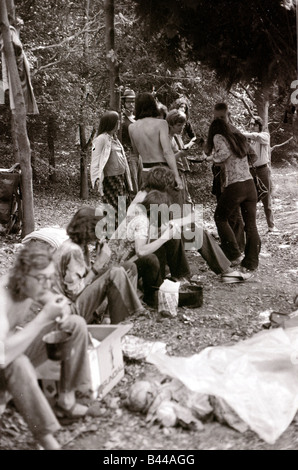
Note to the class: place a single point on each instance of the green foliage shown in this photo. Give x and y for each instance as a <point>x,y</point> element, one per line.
<point>241,40</point>
<point>172,52</point>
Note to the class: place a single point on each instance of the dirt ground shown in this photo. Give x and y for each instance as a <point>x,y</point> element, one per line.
<point>230,313</point>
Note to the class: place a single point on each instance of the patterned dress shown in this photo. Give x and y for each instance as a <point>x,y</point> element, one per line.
<point>114,183</point>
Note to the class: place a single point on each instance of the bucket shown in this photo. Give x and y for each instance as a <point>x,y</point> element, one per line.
<point>191,296</point>
<point>57,345</point>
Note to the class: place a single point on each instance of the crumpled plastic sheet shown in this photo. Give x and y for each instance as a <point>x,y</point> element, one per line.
<point>137,348</point>
<point>257,377</point>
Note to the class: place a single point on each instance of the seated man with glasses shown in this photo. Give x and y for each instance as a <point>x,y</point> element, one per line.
<point>28,310</point>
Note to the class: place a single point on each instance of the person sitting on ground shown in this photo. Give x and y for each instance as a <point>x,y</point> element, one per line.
<point>150,137</point>
<point>162,179</point>
<point>88,285</point>
<point>152,244</point>
<point>28,310</point>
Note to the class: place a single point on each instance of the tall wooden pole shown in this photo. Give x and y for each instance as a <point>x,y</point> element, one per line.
<point>112,63</point>
<point>20,121</point>
<point>11,12</point>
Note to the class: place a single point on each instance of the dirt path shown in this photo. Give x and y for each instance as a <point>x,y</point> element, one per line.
<point>229,314</point>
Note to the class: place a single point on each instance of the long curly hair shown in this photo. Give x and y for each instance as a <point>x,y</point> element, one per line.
<point>161,199</point>
<point>33,256</point>
<point>175,116</point>
<point>160,178</point>
<point>81,228</point>
<point>237,141</point>
<point>178,102</point>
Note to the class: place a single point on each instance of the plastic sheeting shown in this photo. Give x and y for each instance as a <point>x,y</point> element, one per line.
<point>257,377</point>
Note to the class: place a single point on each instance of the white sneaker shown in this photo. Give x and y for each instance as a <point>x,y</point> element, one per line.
<point>236,276</point>
<point>273,229</point>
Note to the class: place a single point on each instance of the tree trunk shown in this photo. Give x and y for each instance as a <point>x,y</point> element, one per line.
<point>262,103</point>
<point>11,11</point>
<point>15,145</point>
<point>84,192</point>
<point>51,137</point>
<point>20,121</point>
<point>112,64</point>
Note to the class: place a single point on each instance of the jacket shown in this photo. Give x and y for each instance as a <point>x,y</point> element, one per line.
<point>101,149</point>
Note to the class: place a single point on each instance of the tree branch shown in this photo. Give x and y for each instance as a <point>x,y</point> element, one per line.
<point>280,145</point>
<point>247,92</point>
<point>70,38</point>
<point>43,67</point>
<point>243,101</point>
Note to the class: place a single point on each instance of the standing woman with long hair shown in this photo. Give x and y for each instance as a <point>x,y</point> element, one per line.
<point>230,150</point>
<point>109,168</point>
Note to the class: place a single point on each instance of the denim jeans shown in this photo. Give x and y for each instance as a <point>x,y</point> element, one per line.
<point>19,377</point>
<point>114,285</point>
<point>265,176</point>
<point>241,194</point>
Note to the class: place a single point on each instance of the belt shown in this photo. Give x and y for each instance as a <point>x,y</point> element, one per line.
<point>261,166</point>
<point>151,165</point>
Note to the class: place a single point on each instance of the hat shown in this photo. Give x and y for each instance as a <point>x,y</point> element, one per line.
<point>128,93</point>
<point>51,235</point>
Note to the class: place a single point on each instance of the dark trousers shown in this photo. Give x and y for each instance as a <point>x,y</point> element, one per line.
<point>235,218</point>
<point>152,268</point>
<point>172,253</point>
<point>136,171</point>
<point>264,174</point>
<point>149,271</point>
<point>244,195</point>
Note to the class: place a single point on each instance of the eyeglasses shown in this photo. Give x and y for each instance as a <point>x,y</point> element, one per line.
<point>42,279</point>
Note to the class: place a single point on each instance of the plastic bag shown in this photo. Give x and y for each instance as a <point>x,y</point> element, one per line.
<point>168,296</point>
<point>258,378</point>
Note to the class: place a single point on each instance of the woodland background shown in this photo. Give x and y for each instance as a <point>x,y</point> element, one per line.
<point>82,56</point>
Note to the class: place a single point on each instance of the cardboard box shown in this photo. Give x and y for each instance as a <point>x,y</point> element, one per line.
<point>105,361</point>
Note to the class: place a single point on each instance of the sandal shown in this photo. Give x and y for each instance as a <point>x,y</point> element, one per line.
<point>77,411</point>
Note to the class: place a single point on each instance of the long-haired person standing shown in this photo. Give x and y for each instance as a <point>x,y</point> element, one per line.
<point>230,150</point>
<point>109,168</point>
